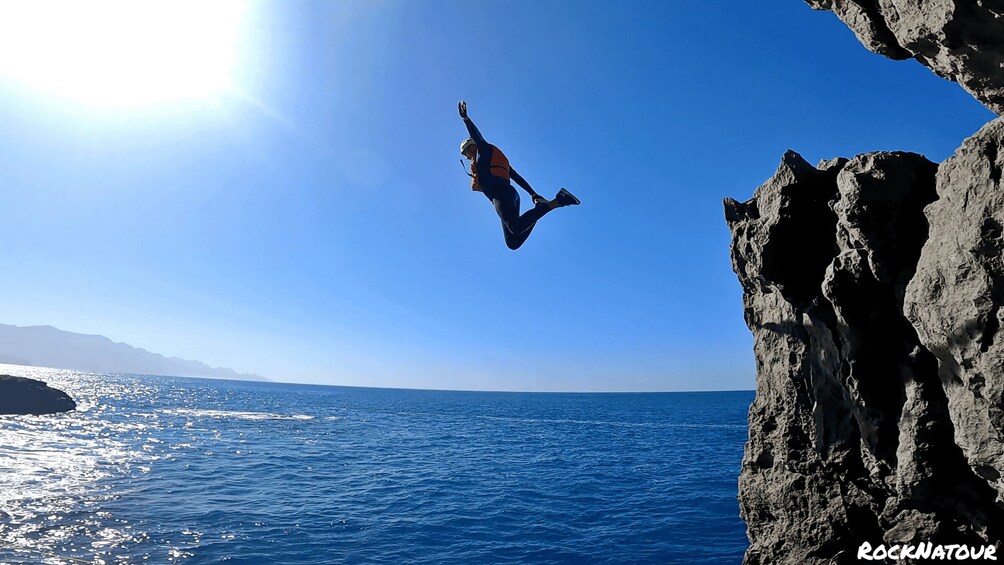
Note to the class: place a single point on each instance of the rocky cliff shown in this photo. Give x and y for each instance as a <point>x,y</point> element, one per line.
<point>874,288</point>
<point>957,39</point>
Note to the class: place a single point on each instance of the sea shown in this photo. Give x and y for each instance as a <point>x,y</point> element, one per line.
<point>182,470</point>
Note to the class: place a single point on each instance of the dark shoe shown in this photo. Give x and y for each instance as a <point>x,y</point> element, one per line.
<point>566,198</point>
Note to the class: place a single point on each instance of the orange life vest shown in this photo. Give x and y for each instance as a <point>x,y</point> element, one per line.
<point>499,167</point>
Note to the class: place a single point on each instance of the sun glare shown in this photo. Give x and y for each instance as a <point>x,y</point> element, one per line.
<point>120,52</point>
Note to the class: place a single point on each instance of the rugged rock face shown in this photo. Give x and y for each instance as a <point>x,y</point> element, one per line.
<point>852,432</point>
<point>19,395</point>
<point>956,299</point>
<point>958,40</point>
<point>874,288</point>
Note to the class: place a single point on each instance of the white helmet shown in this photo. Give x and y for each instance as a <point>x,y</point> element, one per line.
<point>465,144</point>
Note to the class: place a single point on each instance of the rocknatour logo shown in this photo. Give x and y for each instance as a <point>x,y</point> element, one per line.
<point>955,552</point>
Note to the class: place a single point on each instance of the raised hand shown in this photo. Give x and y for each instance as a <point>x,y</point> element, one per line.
<point>463,109</point>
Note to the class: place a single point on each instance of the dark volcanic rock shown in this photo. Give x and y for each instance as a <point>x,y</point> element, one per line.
<point>19,395</point>
<point>874,289</point>
<point>960,41</point>
<point>956,300</point>
<point>852,433</point>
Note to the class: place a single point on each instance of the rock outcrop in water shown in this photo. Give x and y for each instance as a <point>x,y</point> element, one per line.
<point>19,395</point>
<point>874,288</point>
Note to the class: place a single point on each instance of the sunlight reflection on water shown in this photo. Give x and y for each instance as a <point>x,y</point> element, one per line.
<point>54,471</point>
<point>174,470</point>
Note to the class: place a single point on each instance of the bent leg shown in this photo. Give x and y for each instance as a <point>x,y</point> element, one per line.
<point>515,227</point>
<point>514,241</point>
<point>526,222</point>
<point>518,230</point>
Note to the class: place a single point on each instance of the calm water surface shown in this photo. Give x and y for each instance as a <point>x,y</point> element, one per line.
<point>175,470</point>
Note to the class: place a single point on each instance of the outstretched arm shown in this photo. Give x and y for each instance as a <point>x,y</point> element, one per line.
<point>525,185</point>
<point>471,128</point>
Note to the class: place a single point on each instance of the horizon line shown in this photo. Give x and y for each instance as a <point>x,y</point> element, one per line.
<point>275,382</point>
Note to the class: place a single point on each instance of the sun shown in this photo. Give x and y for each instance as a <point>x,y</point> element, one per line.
<point>121,52</point>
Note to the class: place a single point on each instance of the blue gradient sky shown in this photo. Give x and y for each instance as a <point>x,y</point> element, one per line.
<point>314,224</point>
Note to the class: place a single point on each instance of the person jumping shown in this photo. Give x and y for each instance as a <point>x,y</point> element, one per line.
<point>491,174</point>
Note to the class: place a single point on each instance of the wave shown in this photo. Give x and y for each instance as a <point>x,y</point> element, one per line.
<point>234,414</point>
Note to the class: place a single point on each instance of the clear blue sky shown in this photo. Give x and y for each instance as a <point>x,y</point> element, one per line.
<point>312,223</point>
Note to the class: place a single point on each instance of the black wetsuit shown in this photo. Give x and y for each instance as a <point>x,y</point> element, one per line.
<point>515,228</point>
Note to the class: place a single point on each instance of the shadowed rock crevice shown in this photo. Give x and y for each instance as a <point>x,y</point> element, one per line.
<point>993,152</point>
<point>989,253</point>
<point>880,232</point>
<point>801,243</point>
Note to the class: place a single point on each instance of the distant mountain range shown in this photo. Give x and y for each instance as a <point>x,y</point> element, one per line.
<point>45,346</point>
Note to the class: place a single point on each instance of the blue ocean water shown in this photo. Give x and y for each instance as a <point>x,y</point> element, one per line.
<point>176,470</point>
